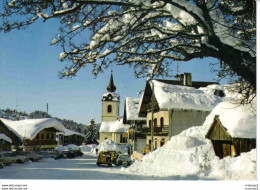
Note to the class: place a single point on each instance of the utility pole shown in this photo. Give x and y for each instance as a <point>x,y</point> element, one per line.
<point>47,108</point>
<point>152,123</point>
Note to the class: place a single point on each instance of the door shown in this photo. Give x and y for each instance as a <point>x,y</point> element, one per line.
<point>226,149</point>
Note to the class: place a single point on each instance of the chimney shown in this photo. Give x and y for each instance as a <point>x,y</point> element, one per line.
<point>179,77</point>
<point>187,79</point>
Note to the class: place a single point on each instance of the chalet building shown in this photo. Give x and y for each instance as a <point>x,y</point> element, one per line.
<point>177,105</point>
<point>16,139</point>
<point>37,134</point>
<point>135,136</point>
<point>72,137</point>
<point>230,136</point>
<point>112,126</point>
<point>5,142</point>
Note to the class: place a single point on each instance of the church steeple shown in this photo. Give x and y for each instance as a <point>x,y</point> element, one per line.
<point>111,87</point>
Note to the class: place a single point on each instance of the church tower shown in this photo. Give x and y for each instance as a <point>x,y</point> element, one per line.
<point>110,102</point>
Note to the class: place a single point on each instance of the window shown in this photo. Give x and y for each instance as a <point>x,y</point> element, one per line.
<point>48,136</point>
<point>42,136</point>
<point>37,136</point>
<point>150,123</point>
<point>109,109</point>
<point>123,139</point>
<point>155,122</point>
<point>162,142</point>
<point>161,121</point>
<point>52,136</point>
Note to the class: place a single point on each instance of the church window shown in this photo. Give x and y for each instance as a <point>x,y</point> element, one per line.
<point>109,109</point>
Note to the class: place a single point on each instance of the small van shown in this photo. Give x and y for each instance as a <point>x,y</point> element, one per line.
<point>106,157</point>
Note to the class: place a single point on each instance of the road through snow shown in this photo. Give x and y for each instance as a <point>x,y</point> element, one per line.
<point>81,168</point>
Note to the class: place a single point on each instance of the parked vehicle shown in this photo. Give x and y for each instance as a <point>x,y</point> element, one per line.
<point>48,154</point>
<point>124,159</point>
<point>68,154</point>
<point>1,165</point>
<point>78,153</point>
<point>6,159</point>
<point>33,156</point>
<point>20,159</point>
<point>105,157</point>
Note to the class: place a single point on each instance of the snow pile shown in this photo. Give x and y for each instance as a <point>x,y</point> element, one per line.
<point>83,148</point>
<point>88,148</point>
<point>108,144</point>
<point>189,154</point>
<point>6,138</point>
<point>29,128</point>
<point>183,97</point>
<point>114,126</point>
<point>68,147</point>
<point>132,106</point>
<point>181,156</point>
<point>238,168</point>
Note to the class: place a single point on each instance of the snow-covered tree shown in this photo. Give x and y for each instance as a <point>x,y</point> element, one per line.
<point>146,34</point>
<point>92,133</point>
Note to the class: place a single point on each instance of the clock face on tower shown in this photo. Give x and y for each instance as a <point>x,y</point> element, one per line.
<point>109,97</point>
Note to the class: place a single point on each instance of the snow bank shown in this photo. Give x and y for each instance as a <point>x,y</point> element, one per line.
<point>190,155</point>
<point>179,157</point>
<point>29,128</point>
<point>108,144</point>
<point>90,148</point>
<point>68,147</point>
<point>171,96</point>
<point>83,148</point>
<point>6,138</point>
<point>114,126</point>
<point>238,168</point>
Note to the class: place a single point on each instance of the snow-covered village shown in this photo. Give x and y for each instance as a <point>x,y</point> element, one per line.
<point>158,91</point>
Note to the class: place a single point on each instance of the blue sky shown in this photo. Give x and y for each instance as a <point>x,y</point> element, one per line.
<point>29,69</point>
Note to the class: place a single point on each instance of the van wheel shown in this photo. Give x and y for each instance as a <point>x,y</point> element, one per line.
<point>98,163</point>
<point>109,165</point>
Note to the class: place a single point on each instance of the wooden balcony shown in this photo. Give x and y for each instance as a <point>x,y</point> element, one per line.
<point>157,130</point>
<point>39,142</point>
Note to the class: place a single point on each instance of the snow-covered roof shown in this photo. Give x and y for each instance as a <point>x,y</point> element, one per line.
<point>114,95</point>
<point>239,120</point>
<point>132,107</point>
<point>171,96</point>
<point>69,132</point>
<point>29,128</point>
<point>6,138</point>
<point>114,126</point>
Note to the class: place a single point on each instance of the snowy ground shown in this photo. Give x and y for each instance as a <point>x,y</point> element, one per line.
<point>80,168</point>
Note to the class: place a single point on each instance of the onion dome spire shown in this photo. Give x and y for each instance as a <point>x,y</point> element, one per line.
<point>111,87</point>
